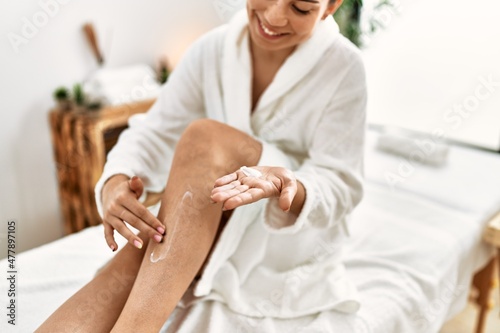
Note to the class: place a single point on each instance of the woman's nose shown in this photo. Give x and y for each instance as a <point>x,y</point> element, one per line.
<point>276,14</point>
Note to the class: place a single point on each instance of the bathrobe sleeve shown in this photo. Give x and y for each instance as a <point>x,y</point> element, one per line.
<point>146,148</point>
<point>332,173</point>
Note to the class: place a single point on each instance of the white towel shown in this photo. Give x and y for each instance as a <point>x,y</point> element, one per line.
<point>122,85</point>
<point>415,149</point>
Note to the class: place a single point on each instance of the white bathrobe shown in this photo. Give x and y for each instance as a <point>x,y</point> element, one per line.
<point>311,120</point>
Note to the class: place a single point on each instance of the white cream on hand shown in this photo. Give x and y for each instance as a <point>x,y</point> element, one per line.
<point>249,172</point>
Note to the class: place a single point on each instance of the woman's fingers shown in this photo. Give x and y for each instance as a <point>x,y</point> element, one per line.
<point>244,198</point>
<point>239,188</point>
<point>226,179</point>
<point>119,225</point>
<point>288,192</point>
<point>143,219</point>
<point>133,220</point>
<point>113,222</point>
<point>224,195</point>
<point>227,187</point>
<point>108,235</point>
<point>253,189</point>
<point>136,185</point>
<point>120,204</point>
<point>123,230</point>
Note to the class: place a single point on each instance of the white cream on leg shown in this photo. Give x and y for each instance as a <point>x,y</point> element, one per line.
<point>162,249</point>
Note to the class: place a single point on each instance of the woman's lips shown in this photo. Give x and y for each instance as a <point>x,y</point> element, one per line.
<point>268,33</point>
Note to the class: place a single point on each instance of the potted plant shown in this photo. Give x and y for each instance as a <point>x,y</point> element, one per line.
<point>63,99</point>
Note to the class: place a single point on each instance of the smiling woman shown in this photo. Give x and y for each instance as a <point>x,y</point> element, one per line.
<point>282,25</point>
<point>276,29</point>
<point>244,90</point>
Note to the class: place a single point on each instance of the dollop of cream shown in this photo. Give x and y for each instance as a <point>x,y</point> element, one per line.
<point>249,172</point>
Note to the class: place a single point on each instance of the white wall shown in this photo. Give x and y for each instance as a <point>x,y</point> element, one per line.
<point>57,54</point>
<point>426,70</point>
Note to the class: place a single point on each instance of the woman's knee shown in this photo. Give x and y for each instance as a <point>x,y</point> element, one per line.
<point>222,142</point>
<point>202,127</point>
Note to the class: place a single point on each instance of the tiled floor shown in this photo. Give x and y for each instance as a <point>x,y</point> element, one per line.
<point>465,322</point>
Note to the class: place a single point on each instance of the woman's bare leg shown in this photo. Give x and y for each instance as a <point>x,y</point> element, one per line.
<point>206,151</point>
<point>96,307</point>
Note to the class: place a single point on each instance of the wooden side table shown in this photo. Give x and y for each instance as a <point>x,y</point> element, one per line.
<point>492,233</point>
<point>484,279</point>
<point>492,236</point>
<point>81,141</point>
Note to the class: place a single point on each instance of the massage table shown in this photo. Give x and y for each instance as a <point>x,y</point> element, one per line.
<point>413,250</point>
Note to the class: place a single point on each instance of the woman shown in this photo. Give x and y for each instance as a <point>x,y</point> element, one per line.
<point>284,93</point>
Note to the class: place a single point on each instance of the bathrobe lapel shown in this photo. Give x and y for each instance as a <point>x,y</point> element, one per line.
<point>300,62</point>
<point>237,69</point>
<point>237,74</point>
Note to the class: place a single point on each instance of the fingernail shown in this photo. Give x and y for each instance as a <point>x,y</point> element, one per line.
<point>157,238</point>
<point>137,244</point>
<point>224,209</point>
<point>112,248</point>
<point>161,230</point>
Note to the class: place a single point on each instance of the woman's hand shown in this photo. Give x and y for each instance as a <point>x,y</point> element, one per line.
<point>241,187</point>
<point>120,203</point>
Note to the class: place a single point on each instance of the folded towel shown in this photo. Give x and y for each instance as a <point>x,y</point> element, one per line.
<point>415,149</point>
<point>122,85</point>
